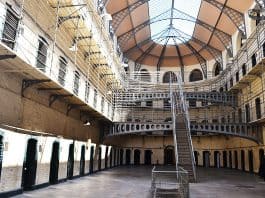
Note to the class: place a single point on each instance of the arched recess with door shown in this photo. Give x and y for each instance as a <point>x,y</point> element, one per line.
<point>137,157</point>
<point>195,75</point>
<point>148,157</point>
<point>206,159</point>
<point>217,159</point>
<point>54,164</point>
<point>70,162</point>
<point>169,77</point>
<point>145,75</point>
<point>82,160</point>
<point>30,165</point>
<point>217,68</point>
<point>169,155</point>
<point>128,157</point>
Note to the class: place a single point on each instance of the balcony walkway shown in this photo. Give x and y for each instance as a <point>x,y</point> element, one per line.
<point>134,182</point>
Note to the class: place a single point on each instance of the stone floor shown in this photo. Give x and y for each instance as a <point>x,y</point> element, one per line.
<point>134,182</point>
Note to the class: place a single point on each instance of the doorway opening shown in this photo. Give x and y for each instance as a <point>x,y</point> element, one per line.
<point>217,163</point>
<point>82,160</point>
<point>111,158</point>
<point>236,159</point>
<point>54,164</point>
<point>224,159</point>
<point>250,160</point>
<point>121,156</point>
<point>30,165</point>
<point>99,158</point>
<point>106,158</point>
<point>91,160</point>
<point>147,157</point>
<point>206,159</point>
<point>243,160</point>
<point>137,155</point>
<point>70,162</point>
<point>230,160</point>
<point>169,155</point>
<point>128,156</point>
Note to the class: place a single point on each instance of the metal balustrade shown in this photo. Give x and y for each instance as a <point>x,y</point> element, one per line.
<point>234,129</point>
<point>132,99</point>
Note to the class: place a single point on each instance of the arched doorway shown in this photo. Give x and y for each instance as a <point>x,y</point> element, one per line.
<point>224,159</point>
<point>137,155</point>
<point>128,156</point>
<point>99,158</point>
<point>147,157</point>
<point>206,159</point>
<point>236,159</point>
<point>121,156</point>
<point>145,75</point>
<point>82,160</point>
<point>261,154</point>
<point>250,160</point>
<point>217,159</point>
<point>91,160</point>
<point>169,76</point>
<point>230,160</point>
<point>243,160</point>
<point>30,165</point>
<point>169,155</point>
<point>196,155</point>
<point>70,162</point>
<point>196,75</point>
<point>54,164</point>
<point>217,69</point>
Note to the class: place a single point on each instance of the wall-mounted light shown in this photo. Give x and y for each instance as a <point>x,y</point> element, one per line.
<point>87,123</point>
<point>106,16</point>
<point>74,47</point>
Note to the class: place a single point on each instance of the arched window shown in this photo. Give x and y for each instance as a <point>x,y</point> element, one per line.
<point>168,75</point>
<point>145,76</point>
<point>217,69</point>
<point>196,75</point>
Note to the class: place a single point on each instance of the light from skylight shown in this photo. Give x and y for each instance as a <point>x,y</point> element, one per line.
<point>163,7</point>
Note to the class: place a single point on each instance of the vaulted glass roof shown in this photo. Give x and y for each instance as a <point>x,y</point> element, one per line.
<point>172,23</point>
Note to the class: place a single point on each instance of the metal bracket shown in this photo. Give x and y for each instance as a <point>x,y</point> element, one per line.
<point>62,19</point>
<point>7,56</point>
<point>26,83</point>
<point>70,107</point>
<point>55,97</point>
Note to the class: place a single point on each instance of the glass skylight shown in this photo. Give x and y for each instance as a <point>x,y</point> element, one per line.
<point>163,8</point>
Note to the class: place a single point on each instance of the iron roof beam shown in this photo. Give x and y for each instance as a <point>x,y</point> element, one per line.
<point>223,37</point>
<point>119,16</point>
<point>236,17</point>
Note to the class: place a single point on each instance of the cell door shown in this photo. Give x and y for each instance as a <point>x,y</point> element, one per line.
<point>91,160</point>
<point>137,155</point>
<point>121,157</point>
<point>70,162</point>
<point>206,159</point>
<point>147,157</point>
<point>243,160</point>
<point>30,165</point>
<point>224,159</point>
<point>54,164</point>
<point>82,160</point>
<point>128,156</point>
<point>99,158</point>
<point>250,160</point>
<point>169,156</point>
<point>217,159</point>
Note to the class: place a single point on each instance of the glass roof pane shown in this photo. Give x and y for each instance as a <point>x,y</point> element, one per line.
<point>158,7</point>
